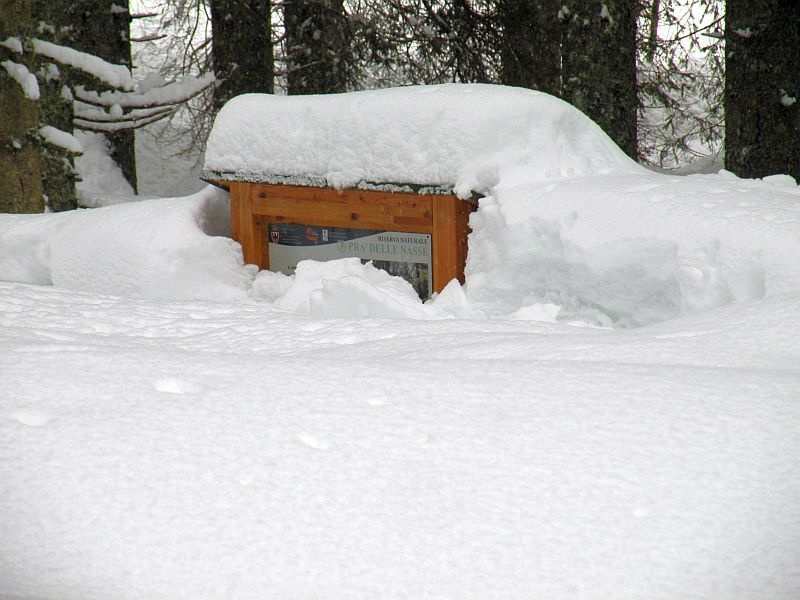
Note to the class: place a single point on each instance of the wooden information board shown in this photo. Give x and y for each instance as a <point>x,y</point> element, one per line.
<point>255,207</point>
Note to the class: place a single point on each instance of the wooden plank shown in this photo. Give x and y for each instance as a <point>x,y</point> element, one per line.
<point>348,208</point>
<point>236,210</point>
<point>465,209</point>
<point>263,241</point>
<point>246,226</point>
<point>445,241</point>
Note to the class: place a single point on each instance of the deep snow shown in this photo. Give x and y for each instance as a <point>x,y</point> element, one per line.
<point>206,450</point>
<point>609,408</point>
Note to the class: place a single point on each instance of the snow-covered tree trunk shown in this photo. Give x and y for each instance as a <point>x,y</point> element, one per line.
<point>319,58</point>
<point>102,28</point>
<point>762,87</point>
<point>242,51</point>
<point>20,168</point>
<point>599,65</point>
<point>55,107</point>
<point>531,44</point>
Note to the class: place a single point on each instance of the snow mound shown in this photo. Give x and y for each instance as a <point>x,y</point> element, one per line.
<point>628,250</point>
<point>159,249</point>
<point>454,135</point>
<point>341,288</point>
<point>346,288</point>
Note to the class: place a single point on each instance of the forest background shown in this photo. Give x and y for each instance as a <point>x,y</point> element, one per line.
<point>675,83</point>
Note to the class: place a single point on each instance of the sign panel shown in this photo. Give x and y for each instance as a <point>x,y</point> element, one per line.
<point>407,255</point>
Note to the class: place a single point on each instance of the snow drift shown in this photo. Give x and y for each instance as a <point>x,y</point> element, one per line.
<point>613,250</point>
<point>158,249</point>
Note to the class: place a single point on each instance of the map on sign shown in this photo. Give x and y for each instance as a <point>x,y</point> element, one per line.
<point>407,255</point>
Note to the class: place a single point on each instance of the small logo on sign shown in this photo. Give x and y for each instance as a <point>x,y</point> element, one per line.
<point>310,235</point>
<point>274,237</point>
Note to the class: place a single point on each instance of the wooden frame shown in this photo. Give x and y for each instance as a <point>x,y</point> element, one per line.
<point>444,217</point>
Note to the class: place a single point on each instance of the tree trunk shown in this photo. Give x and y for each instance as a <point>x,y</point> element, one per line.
<point>102,28</point>
<point>531,44</point>
<point>55,108</point>
<point>318,52</point>
<point>599,65</point>
<point>242,48</point>
<point>762,87</point>
<point>20,166</point>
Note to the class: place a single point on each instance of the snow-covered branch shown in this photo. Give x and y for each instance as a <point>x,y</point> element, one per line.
<point>88,113</point>
<point>25,79</point>
<point>117,76</point>
<point>62,139</point>
<point>170,94</point>
<point>117,126</point>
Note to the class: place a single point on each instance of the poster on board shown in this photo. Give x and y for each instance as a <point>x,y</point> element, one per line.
<point>407,255</point>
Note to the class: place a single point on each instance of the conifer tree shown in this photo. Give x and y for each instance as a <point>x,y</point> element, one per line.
<point>762,87</point>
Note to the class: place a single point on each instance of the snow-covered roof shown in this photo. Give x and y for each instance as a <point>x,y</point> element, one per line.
<point>455,135</point>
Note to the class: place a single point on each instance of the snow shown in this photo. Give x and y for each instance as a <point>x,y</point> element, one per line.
<point>62,139</point>
<point>117,76</point>
<point>195,450</point>
<point>25,79</point>
<point>13,43</point>
<point>608,408</point>
<point>463,136</point>
<point>157,249</point>
<point>102,181</point>
<point>628,250</point>
<point>787,100</point>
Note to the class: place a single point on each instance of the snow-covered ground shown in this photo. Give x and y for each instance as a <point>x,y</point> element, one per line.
<point>608,409</point>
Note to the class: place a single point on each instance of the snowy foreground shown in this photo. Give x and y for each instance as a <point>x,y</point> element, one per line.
<point>154,446</point>
<point>609,408</point>
<point>195,450</point>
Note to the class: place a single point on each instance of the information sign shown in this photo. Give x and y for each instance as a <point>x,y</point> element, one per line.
<point>407,255</point>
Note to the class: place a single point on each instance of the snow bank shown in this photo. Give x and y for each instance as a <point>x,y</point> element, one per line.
<point>631,250</point>
<point>166,248</point>
<point>610,251</point>
<point>461,136</point>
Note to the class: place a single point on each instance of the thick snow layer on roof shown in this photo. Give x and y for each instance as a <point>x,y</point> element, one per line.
<point>453,135</point>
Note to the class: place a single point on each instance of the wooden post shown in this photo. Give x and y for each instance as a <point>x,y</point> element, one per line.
<point>444,245</point>
<point>244,228</point>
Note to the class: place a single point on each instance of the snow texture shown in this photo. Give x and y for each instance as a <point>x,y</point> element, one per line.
<point>463,136</point>
<point>117,76</point>
<point>196,450</point>
<point>25,79</point>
